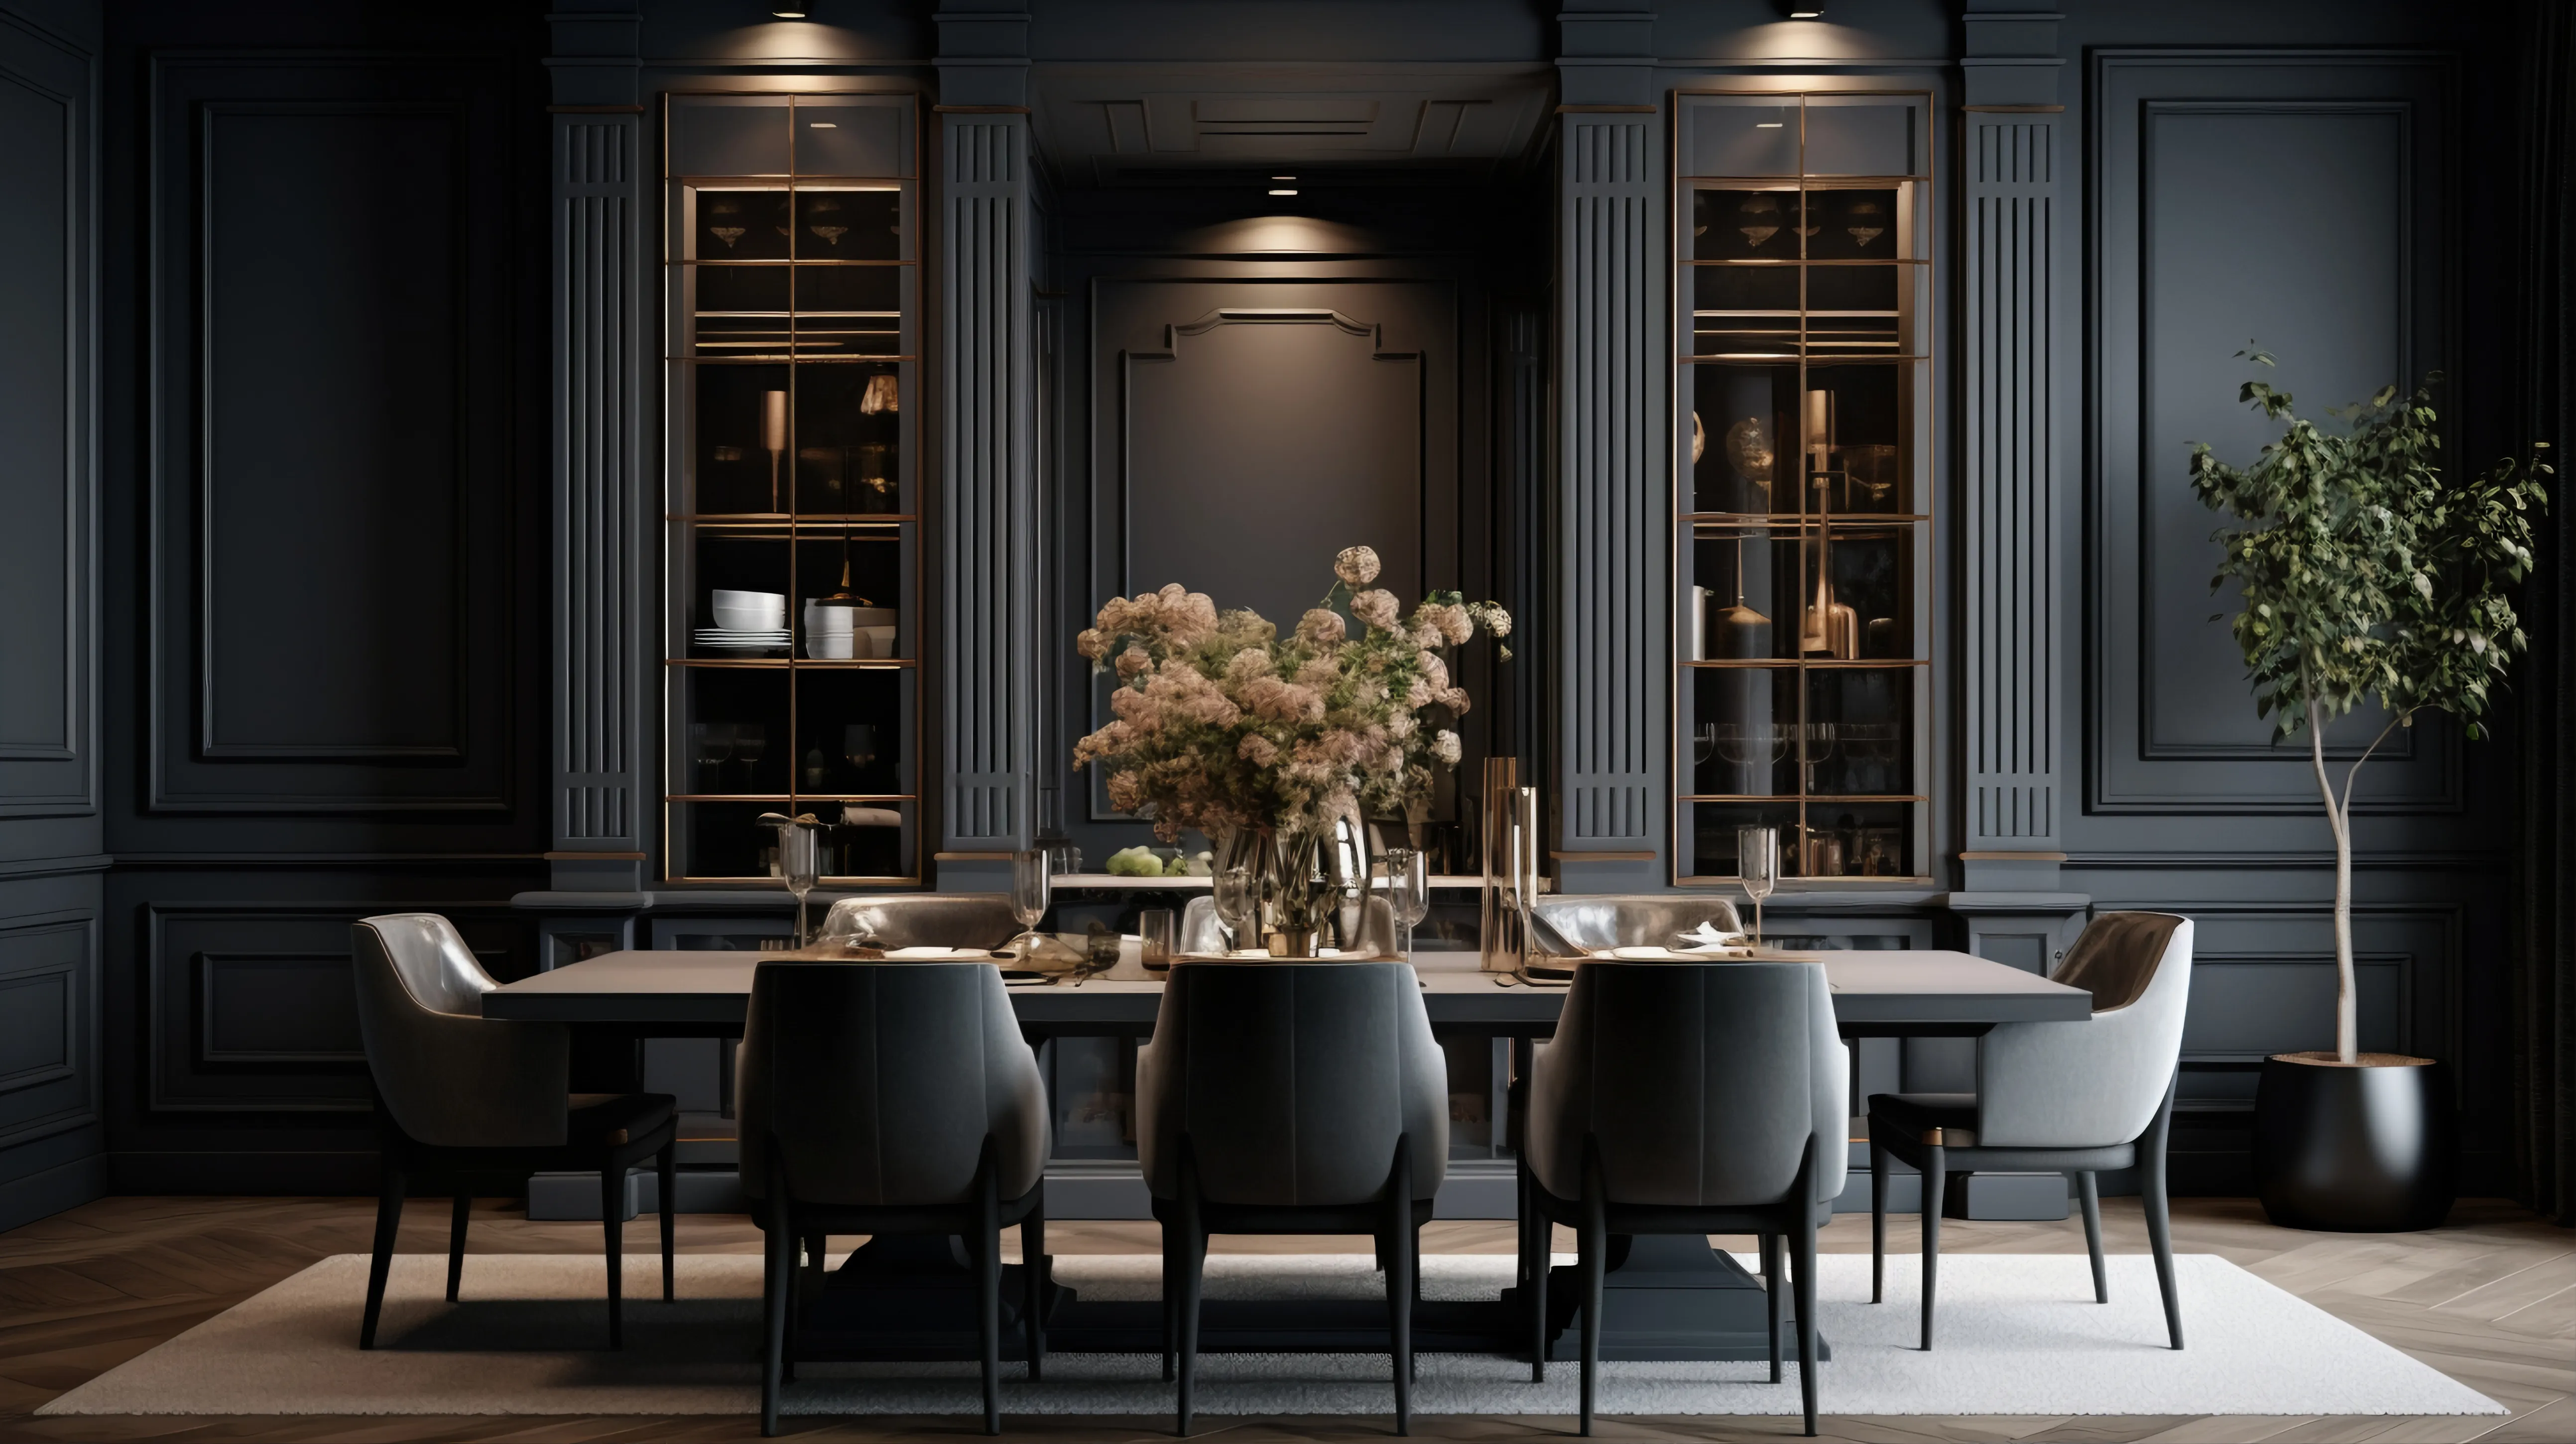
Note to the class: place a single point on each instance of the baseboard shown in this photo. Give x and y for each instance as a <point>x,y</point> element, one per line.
<point>41,1195</point>
<point>243,1173</point>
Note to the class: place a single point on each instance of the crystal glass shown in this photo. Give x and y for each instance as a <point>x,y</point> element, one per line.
<point>798,862</point>
<point>750,743</point>
<point>1757,863</point>
<point>714,744</point>
<point>1232,889</point>
<point>1408,893</point>
<point>1154,928</point>
<point>1032,885</point>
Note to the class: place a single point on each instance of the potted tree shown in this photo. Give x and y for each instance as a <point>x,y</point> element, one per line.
<point>2365,575</point>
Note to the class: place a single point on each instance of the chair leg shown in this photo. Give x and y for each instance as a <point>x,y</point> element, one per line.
<point>1773,1284</point>
<point>1936,1182</point>
<point>1593,1247</point>
<point>988,1305</point>
<point>1542,1258</point>
<point>1033,1292</point>
<point>389,1206</point>
<point>2089,1190</point>
<point>2151,1194</point>
<point>778,1269</point>
<point>1805,1268</point>
<point>1878,1162</point>
<point>612,1223</point>
<point>666,1177</point>
<point>1171,1299</point>
<point>1403,1265</point>
<point>464,1210</point>
<point>1193,1271</point>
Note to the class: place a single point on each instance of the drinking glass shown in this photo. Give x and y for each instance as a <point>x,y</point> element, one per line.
<point>798,862</point>
<point>750,743</point>
<point>1154,929</point>
<point>1032,882</point>
<point>1757,864</point>
<point>714,744</point>
<point>1408,893</point>
<point>1232,889</point>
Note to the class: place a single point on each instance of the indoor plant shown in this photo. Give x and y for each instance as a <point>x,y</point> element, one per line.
<point>2365,574</point>
<point>1266,742</point>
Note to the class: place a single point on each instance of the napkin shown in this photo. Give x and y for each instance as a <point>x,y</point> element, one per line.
<point>1706,939</point>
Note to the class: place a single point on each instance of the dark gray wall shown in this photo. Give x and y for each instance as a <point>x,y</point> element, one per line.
<point>51,1130</point>
<point>323,490</point>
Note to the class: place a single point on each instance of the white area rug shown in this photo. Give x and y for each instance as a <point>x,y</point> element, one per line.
<point>2018,1335</point>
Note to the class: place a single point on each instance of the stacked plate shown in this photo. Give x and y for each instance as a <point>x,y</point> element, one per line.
<point>746,622</point>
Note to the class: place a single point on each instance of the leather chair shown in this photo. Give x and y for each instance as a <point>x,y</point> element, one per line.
<point>462,1095</point>
<point>1291,1098</point>
<point>1595,922</point>
<point>2069,1097</point>
<point>958,920</point>
<point>891,1098</point>
<point>1686,1098</point>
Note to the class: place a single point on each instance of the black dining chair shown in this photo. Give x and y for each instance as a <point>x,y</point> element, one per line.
<point>2072,1097</point>
<point>891,1098</point>
<point>1686,1098</point>
<point>461,1097</point>
<point>1291,1098</point>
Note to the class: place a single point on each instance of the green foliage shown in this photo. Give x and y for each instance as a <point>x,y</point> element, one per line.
<point>2363,573</point>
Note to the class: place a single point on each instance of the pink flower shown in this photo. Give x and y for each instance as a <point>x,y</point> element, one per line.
<point>1247,664</point>
<point>1453,622</point>
<point>1445,746</point>
<point>1356,566</point>
<point>1377,607</point>
<point>1434,671</point>
<point>1132,661</point>
<point>1455,699</point>
<point>1258,750</point>
<point>1126,791</point>
<point>1321,627</point>
<point>1092,644</point>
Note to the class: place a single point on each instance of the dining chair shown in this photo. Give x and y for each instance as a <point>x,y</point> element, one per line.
<point>461,1097</point>
<point>1291,1098</point>
<point>1686,1098</point>
<point>891,1098</point>
<point>2071,1097</point>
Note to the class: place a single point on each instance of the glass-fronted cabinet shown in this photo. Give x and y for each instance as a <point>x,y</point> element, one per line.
<point>1803,451</point>
<point>792,618</point>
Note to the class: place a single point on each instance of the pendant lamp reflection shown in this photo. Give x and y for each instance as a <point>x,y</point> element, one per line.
<point>1742,633</point>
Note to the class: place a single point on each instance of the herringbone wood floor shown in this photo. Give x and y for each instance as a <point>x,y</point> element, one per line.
<point>2491,1300</point>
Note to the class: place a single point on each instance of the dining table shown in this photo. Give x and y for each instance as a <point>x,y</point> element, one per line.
<point>1664,1298</point>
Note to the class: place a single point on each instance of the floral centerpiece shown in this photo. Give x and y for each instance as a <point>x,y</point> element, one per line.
<point>1224,724</point>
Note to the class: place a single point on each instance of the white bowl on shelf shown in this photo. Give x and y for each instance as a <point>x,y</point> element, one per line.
<point>749,611</point>
<point>830,646</point>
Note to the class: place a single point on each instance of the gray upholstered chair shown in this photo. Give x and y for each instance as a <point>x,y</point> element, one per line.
<point>1291,1098</point>
<point>1203,932</point>
<point>1686,1098</point>
<point>892,1098</point>
<point>2071,1098</point>
<point>923,920</point>
<point>463,1096</point>
<point>1595,922</point>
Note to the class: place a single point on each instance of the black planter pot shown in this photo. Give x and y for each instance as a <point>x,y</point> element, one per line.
<point>2363,1149</point>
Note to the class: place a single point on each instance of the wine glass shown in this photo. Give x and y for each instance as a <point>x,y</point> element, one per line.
<point>750,743</point>
<point>797,862</point>
<point>1032,883</point>
<point>1408,893</point>
<point>1757,865</point>
<point>1232,893</point>
<point>714,744</point>
<point>859,746</point>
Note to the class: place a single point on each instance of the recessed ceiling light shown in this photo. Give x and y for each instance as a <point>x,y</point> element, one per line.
<point>1807,10</point>
<point>1286,191</point>
<point>789,11</point>
<point>822,125</point>
<point>1283,177</point>
<point>1766,125</point>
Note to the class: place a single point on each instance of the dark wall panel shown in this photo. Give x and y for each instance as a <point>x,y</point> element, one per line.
<point>335,619</point>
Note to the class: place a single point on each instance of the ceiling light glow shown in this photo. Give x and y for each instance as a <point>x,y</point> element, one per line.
<point>1766,125</point>
<point>788,11</point>
<point>1289,191</point>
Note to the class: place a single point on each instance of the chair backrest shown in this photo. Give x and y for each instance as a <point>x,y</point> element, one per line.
<point>2097,1083</point>
<point>1644,921</point>
<point>1291,1083</point>
<point>449,1076</point>
<point>876,1084</point>
<point>923,920</point>
<point>1700,1084</point>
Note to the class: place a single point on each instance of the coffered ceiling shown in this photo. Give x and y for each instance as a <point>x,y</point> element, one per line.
<point>1170,125</point>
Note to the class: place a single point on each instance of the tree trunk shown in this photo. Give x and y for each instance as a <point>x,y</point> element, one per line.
<point>2339,818</point>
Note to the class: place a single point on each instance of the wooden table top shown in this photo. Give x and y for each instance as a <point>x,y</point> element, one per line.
<point>1897,992</point>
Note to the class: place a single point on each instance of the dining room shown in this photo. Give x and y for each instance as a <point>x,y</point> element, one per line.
<point>864,718</point>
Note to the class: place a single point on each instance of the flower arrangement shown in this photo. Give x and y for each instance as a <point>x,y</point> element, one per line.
<point>1224,725</point>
